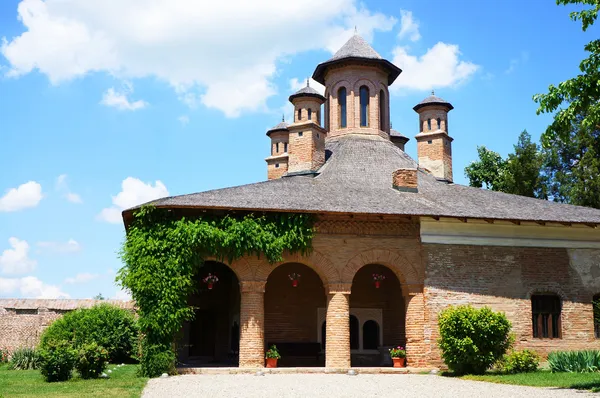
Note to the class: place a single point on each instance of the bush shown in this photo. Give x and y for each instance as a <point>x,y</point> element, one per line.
<point>520,362</point>
<point>57,361</point>
<point>24,358</point>
<point>91,360</point>
<point>156,360</point>
<point>3,355</point>
<point>473,339</point>
<point>106,325</point>
<point>574,361</point>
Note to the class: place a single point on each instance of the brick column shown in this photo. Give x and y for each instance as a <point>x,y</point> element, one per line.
<point>337,348</point>
<point>416,347</point>
<point>252,324</point>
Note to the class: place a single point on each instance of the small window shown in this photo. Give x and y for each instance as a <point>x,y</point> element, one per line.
<point>596,304</point>
<point>342,107</point>
<point>430,142</point>
<point>277,147</point>
<point>439,122</point>
<point>300,134</point>
<point>309,114</point>
<point>429,124</point>
<point>545,311</point>
<point>276,165</point>
<point>364,106</point>
<point>299,114</point>
<point>285,147</point>
<point>318,136</point>
<point>370,335</point>
<point>354,333</point>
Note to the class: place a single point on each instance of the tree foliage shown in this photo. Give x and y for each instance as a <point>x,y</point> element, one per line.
<point>162,254</point>
<point>518,174</point>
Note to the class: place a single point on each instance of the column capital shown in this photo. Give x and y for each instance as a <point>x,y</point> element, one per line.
<point>339,287</point>
<point>252,286</point>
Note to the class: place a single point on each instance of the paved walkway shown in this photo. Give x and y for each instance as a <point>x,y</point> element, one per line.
<point>339,385</point>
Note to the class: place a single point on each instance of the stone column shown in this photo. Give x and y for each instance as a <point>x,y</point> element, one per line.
<point>252,324</point>
<point>416,347</point>
<point>337,348</point>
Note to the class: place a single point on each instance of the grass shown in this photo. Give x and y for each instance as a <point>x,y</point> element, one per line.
<point>123,382</point>
<point>544,378</point>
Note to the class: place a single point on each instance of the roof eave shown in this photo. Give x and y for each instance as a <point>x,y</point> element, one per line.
<point>447,105</point>
<point>393,70</point>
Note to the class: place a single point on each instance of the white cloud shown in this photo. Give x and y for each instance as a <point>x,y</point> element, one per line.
<point>133,192</point>
<point>30,287</point>
<point>24,196</point>
<point>222,54</point>
<point>523,58</point>
<point>296,84</point>
<point>118,99</point>
<point>409,27</point>
<point>81,278</point>
<point>71,246</point>
<point>440,66</point>
<point>16,260</point>
<point>184,120</point>
<point>62,186</point>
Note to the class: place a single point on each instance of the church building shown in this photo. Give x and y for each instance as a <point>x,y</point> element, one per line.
<point>396,240</point>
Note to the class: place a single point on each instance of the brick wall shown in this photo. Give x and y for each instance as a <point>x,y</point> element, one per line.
<point>504,279</point>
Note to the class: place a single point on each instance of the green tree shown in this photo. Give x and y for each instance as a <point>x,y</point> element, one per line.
<point>571,143</point>
<point>518,174</point>
<point>99,296</point>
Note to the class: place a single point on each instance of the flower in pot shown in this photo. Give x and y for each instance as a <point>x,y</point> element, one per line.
<point>272,355</point>
<point>398,355</point>
<point>377,278</point>
<point>210,280</point>
<point>294,277</point>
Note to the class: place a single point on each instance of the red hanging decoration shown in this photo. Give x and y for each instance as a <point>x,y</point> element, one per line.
<point>294,277</point>
<point>210,280</point>
<point>377,278</point>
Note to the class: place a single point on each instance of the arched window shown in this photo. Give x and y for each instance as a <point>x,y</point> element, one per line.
<point>439,126</point>
<point>299,114</point>
<point>370,335</point>
<point>277,147</point>
<point>342,107</point>
<point>353,332</point>
<point>364,106</point>
<point>545,313</point>
<point>285,147</point>
<point>323,335</point>
<point>428,124</point>
<point>596,304</point>
<point>382,108</point>
<point>309,114</point>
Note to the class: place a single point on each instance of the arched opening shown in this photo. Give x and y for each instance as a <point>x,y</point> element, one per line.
<point>428,124</point>
<point>342,114</point>
<point>299,114</point>
<point>439,123</point>
<point>292,315</point>
<point>212,338</point>
<point>364,106</point>
<point>380,310</point>
<point>370,335</point>
<point>309,114</point>
<point>382,108</point>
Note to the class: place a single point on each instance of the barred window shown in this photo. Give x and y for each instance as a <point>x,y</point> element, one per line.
<point>545,310</point>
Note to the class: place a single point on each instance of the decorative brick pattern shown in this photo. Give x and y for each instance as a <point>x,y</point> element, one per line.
<point>252,321</point>
<point>337,349</point>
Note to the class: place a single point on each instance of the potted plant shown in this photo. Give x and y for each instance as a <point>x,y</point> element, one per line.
<point>210,280</point>
<point>377,278</point>
<point>272,355</point>
<point>294,277</point>
<point>398,355</point>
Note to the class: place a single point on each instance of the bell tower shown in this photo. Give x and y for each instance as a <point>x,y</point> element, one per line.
<point>434,145</point>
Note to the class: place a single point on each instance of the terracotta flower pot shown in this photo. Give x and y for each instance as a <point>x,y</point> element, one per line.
<point>377,284</point>
<point>295,283</point>
<point>210,286</point>
<point>271,362</point>
<point>399,362</point>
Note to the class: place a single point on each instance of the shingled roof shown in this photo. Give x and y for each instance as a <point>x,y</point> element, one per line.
<point>357,49</point>
<point>433,100</point>
<point>357,178</point>
<point>307,92</point>
<point>281,126</point>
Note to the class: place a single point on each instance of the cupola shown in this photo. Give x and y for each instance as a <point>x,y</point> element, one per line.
<point>277,162</point>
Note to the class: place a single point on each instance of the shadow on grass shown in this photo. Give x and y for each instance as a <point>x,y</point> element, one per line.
<point>594,386</point>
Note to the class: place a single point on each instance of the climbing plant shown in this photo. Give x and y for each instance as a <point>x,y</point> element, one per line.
<point>163,252</point>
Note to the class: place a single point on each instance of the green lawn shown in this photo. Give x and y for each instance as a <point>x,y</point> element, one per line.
<point>581,381</point>
<point>123,382</point>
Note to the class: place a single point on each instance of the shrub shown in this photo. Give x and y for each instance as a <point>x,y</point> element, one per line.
<point>574,361</point>
<point>91,360</point>
<point>3,355</point>
<point>108,326</point>
<point>473,339</point>
<point>57,361</point>
<point>24,358</point>
<point>156,359</point>
<point>520,362</point>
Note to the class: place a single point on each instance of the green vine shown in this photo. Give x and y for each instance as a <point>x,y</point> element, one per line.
<point>163,252</point>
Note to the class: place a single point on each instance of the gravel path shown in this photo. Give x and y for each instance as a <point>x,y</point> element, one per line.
<point>337,386</point>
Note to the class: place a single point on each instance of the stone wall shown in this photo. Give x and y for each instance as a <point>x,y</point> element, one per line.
<point>22,321</point>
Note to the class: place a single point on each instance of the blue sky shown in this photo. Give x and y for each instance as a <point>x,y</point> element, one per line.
<point>106,104</point>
